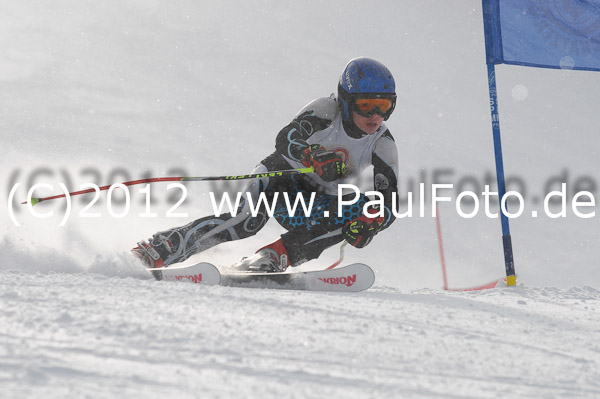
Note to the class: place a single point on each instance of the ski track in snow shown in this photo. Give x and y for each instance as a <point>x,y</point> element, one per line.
<point>79,335</point>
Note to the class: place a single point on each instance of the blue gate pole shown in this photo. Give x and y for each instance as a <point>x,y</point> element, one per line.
<point>506,240</point>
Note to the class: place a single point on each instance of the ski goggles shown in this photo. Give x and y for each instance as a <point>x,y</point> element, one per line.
<point>367,107</point>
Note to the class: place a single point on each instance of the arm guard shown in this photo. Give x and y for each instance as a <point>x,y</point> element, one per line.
<point>385,173</point>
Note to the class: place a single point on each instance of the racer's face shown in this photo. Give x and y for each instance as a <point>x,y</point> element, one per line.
<point>370,124</point>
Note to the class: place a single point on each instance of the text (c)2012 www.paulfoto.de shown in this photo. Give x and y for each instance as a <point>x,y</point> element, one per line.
<point>557,204</point>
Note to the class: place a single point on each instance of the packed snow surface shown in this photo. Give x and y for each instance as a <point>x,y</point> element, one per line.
<point>83,335</point>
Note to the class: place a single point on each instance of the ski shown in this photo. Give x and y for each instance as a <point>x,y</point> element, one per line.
<point>200,273</point>
<point>352,278</point>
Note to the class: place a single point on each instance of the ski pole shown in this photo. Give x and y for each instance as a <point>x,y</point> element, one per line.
<point>279,173</point>
<point>341,258</point>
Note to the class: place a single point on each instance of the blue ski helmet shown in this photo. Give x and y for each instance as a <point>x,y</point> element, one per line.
<point>365,78</point>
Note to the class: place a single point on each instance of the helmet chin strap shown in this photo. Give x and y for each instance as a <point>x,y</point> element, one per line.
<point>352,130</point>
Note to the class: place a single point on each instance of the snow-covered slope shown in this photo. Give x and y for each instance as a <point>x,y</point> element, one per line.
<point>116,90</point>
<point>87,335</point>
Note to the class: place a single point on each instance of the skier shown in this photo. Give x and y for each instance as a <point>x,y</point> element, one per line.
<point>338,137</point>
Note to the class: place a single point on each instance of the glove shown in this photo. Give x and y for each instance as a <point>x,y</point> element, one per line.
<point>360,231</point>
<point>327,164</point>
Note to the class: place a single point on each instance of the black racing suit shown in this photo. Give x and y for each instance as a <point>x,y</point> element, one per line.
<point>307,237</point>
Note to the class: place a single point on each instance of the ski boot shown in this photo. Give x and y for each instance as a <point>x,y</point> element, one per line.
<point>157,253</point>
<point>271,259</point>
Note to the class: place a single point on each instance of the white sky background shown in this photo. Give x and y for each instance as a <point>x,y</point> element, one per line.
<point>149,87</point>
